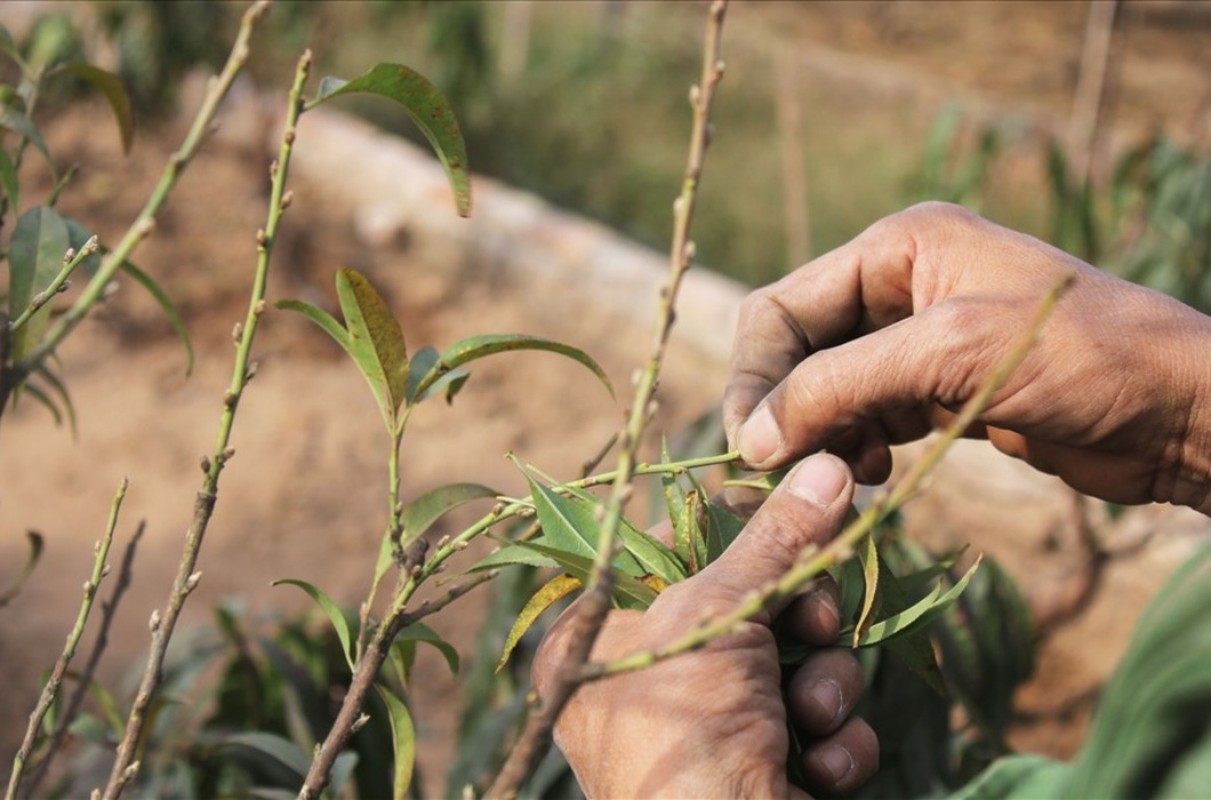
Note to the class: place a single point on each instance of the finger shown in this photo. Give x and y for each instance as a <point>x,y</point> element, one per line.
<point>863,285</point>
<point>824,690</point>
<point>937,356</point>
<point>814,617</point>
<point>843,761</point>
<point>808,507</point>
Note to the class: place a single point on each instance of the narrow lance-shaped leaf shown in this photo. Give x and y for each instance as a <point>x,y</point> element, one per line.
<point>422,361</point>
<point>321,318</point>
<point>34,391</point>
<point>35,256</point>
<point>427,108</point>
<point>868,557</point>
<point>514,555</point>
<point>477,347</point>
<point>375,341</point>
<point>425,510</point>
<point>403,737</point>
<point>167,306</point>
<point>331,610</point>
<point>919,614</point>
<point>14,120</point>
<point>628,591</point>
<point>31,560</point>
<point>551,592</point>
<point>115,93</point>
<point>282,750</point>
<point>8,46</point>
<point>8,180</point>
<point>571,525</point>
<point>60,389</point>
<point>419,632</point>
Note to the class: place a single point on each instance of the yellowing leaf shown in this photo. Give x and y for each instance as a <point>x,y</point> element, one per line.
<point>551,592</point>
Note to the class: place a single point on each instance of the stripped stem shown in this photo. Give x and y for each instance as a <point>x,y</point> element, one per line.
<point>592,608</point>
<point>51,690</point>
<point>813,560</point>
<point>125,767</point>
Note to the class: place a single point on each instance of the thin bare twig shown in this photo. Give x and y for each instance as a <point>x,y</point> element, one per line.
<point>595,604</point>
<point>125,767</point>
<point>109,610</point>
<point>51,690</point>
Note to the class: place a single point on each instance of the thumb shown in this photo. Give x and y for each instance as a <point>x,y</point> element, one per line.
<point>934,356</point>
<point>807,508</point>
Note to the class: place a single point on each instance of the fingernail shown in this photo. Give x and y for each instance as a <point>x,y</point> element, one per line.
<point>836,762</point>
<point>818,479</point>
<point>759,437</point>
<point>826,695</point>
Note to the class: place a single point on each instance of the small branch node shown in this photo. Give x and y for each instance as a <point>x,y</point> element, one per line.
<point>259,308</point>
<point>204,463</point>
<point>359,723</point>
<point>153,624</point>
<point>287,199</point>
<point>191,582</point>
<point>237,332</point>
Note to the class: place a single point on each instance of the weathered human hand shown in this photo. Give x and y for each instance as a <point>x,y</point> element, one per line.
<point>713,723</point>
<point>883,338</point>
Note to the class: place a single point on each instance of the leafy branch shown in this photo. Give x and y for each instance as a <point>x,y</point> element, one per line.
<point>813,561</point>
<point>593,606</point>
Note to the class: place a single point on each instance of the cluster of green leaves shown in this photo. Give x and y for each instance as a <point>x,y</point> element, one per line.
<point>1151,735</point>
<point>45,247</point>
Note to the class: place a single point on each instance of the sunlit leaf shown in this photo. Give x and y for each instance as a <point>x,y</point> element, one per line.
<point>331,610</point>
<point>115,93</point>
<point>320,317</point>
<point>513,555</point>
<point>35,257</point>
<point>31,560</point>
<point>628,591</point>
<point>919,614</point>
<point>8,180</point>
<point>282,750</point>
<point>653,557</point>
<point>375,340</point>
<point>167,306</point>
<point>427,108</point>
<point>868,557</point>
<point>551,592</point>
<point>15,121</point>
<point>477,347</point>
<point>421,513</point>
<point>570,524</point>
<point>403,737</point>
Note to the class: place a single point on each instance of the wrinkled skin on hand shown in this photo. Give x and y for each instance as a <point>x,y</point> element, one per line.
<point>881,340</point>
<point>712,723</point>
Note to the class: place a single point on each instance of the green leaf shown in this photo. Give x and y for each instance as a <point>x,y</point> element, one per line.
<point>8,46</point>
<point>918,615</point>
<point>320,317</point>
<point>15,121</point>
<point>276,747</point>
<point>513,555</point>
<point>31,560</point>
<point>427,509</point>
<point>167,306</point>
<point>119,101</point>
<point>1017,777</point>
<point>60,389</point>
<point>570,524</point>
<point>427,108</point>
<point>8,180</point>
<point>477,347</point>
<point>44,399</point>
<point>35,256</point>
<point>422,361</point>
<point>722,529</point>
<point>375,341</point>
<point>333,612</point>
<point>628,592</point>
<point>109,707</point>
<point>403,737</point>
<point>551,592</point>
<point>653,557</point>
<point>419,632</point>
